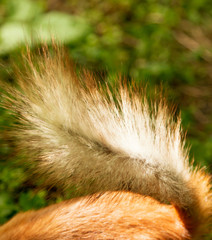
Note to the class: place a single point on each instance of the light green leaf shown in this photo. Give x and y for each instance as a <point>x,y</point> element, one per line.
<point>23,10</point>
<point>60,26</point>
<point>12,35</point>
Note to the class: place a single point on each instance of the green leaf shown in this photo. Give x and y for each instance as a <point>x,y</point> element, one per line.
<point>23,10</point>
<point>31,200</point>
<point>62,27</point>
<point>12,35</point>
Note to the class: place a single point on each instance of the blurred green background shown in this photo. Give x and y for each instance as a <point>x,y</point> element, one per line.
<point>166,43</point>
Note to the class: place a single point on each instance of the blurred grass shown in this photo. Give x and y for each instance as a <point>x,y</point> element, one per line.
<point>157,42</point>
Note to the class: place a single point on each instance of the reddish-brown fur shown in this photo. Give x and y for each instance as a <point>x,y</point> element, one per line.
<point>111,215</point>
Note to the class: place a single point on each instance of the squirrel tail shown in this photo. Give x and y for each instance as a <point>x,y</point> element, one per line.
<point>80,132</point>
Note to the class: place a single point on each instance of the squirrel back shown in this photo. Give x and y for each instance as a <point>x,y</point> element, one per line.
<point>80,132</point>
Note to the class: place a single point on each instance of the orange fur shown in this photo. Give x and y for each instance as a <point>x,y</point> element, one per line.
<point>111,215</point>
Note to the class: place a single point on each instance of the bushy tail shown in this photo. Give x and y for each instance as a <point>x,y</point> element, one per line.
<point>82,133</point>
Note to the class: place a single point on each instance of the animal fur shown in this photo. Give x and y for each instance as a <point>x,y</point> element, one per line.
<point>81,133</point>
<point>110,215</point>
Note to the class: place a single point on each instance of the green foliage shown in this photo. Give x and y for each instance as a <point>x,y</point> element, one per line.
<point>26,22</point>
<point>156,42</point>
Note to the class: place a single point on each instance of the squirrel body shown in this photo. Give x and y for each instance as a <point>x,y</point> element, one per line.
<point>110,215</point>
<point>81,133</point>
